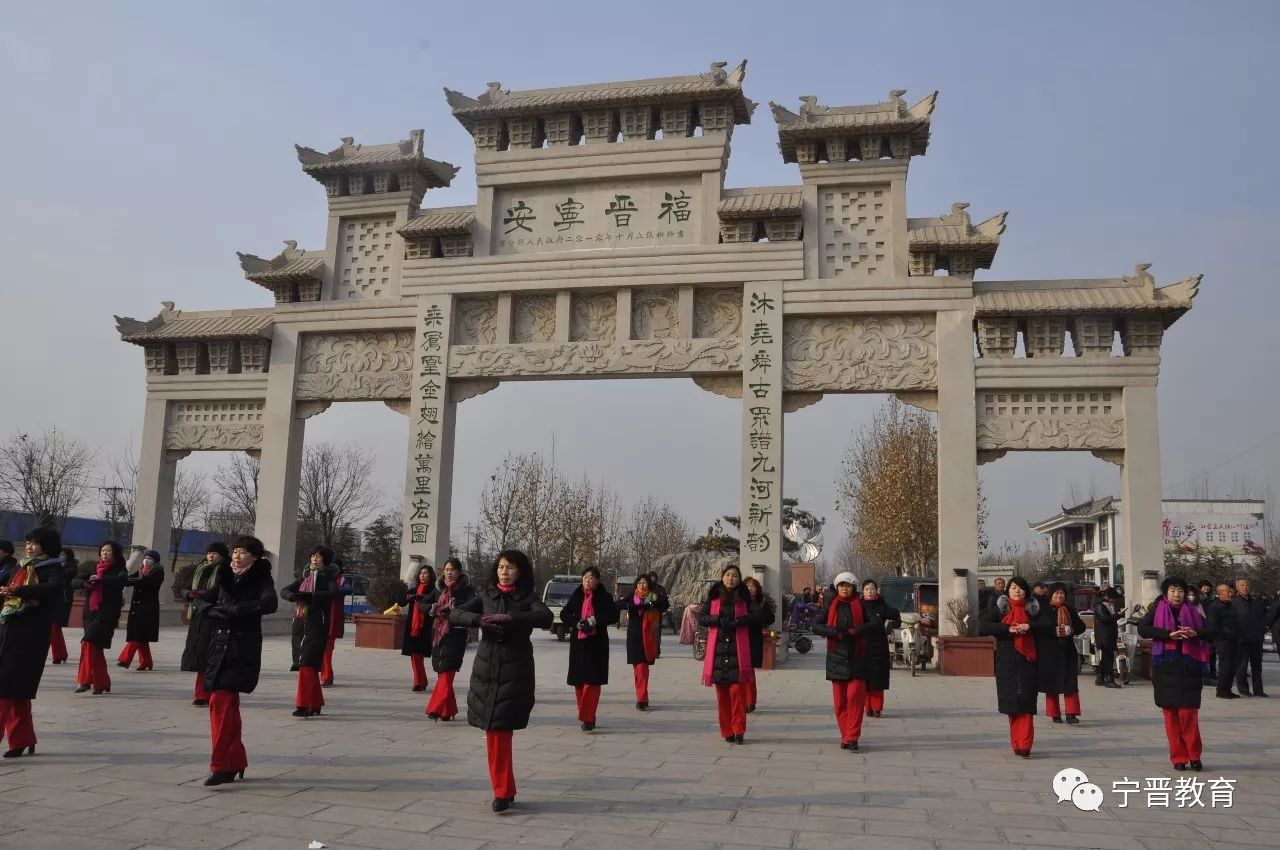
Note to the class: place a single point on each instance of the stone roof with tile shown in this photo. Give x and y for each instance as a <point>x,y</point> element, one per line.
<point>397,156</point>
<point>172,325</point>
<point>292,264</point>
<point>441,221</point>
<point>1106,295</point>
<point>956,231</point>
<point>814,121</point>
<point>760,202</point>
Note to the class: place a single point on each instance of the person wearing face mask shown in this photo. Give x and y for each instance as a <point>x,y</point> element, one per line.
<point>199,627</point>
<point>103,599</point>
<point>1057,660</point>
<point>448,642</point>
<point>1014,621</point>
<point>879,659</point>
<point>847,625</point>
<point>644,609</point>
<point>1179,662</point>
<point>501,696</point>
<point>728,616</point>
<point>589,611</point>
<point>143,628</point>
<point>311,596</point>
<point>416,643</point>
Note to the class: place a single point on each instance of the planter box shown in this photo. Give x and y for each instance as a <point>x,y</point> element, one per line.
<point>773,654</point>
<point>77,613</point>
<point>967,656</point>
<point>379,631</point>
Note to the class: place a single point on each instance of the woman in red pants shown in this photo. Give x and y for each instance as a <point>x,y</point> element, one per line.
<point>57,640</point>
<point>143,628</point>
<point>243,594</point>
<point>588,614</point>
<point>416,642</point>
<point>644,609</point>
<point>500,699</point>
<point>879,659</point>
<point>195,653</point>
<point>30,595</point>
<point>847,626</point>
<point>727,666</point>
<point>448,642</point>
<point>1014,621</point>
<point>337,623</point>
<point>103,598</point>
<point>311,597</point>
<point>1179,663</point>
<point>762,605</point>
<point>1057,660</point>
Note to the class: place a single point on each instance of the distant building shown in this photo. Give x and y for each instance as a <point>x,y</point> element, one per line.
<point>85,535</point>
<point>1086,534</point>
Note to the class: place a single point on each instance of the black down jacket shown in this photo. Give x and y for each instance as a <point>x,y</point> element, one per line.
<point>766,610</point>
<point>879,659</point>
<point>144,605</point>
<point>1176,682</point>
<point>502,675</point>
<point>237,605</point>
<point>1017,679</point>
<point>845,661</point>
<point>420,645</point>
<point>311,626</point>
<point>448,652</point>
<point>1057,660</point>
<point>24,636</point>
<point>100,625</point>
<point>589,656</point>
<point>635,625</point>
<point>725,667</point>
<point>1106,626</point>
<point>199,627</point>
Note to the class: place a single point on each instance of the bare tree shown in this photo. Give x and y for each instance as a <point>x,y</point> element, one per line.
<point>120,493</point>
<point>500,500</point>
<point>190,497</point>
<point>46,475</point>
<point>536,514</point>
<point>588,519</point>
<point>335,490</point>
<point>236,510</point>
<point>653,530</point>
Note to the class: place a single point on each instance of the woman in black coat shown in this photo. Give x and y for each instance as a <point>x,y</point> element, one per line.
<point>243,594</point>
<point>312,597</point>
<point>416,643</point>
<point>879,659</point>
<point>1179,662</point>
<point>502,676</point>
<point>728,616</point>
<point>644,608</point>
<point>30,597</point>
<point>195,654</point>
<point>60,618</point>
<point>1106,636</point>
<point>448,642</point>
<point>143,628</point>
<point>1057,660</point>
<point>765,611</point>
<point>848,627</point>
<point>1014,621</point>
<point>588,614</point>
<point>103,598</point>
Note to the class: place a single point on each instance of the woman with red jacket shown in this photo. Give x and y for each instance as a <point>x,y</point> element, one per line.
<point>728,616</point>
<point>416,642</point>
<point>848,626</point>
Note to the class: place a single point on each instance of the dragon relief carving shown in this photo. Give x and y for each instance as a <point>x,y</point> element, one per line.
<point>357,365</point>
<point>476,321</point>
<point>1050,433</point>
<point>655,314</point>
<point>213,436</point>
<point>592,358</point>
<point>595,318</point>
<point>717,312</point>
<point>533,318</point>
<point>850,353</point>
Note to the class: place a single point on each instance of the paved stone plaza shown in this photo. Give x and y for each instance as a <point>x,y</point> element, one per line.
<point>124,770</point>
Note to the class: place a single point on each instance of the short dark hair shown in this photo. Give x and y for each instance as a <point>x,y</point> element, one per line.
<point>593,571</point>
<point>117,551</point>
<point>728,567</point>
<point>250,544</point>
<point>457,564</point>
<point>1172,581</point>
<point>873,583</point>
<point>47,539</point>
<point>219,547</point>
<point>518,559</point>
<point>325,553</point>
<point>6,546</point>
<point>430,571</point>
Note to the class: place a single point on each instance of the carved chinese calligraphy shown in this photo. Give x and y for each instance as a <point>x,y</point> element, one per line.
<point>868,353</point>
<point>355,365</point>
<point>762,401</point>
<point>430,433</point>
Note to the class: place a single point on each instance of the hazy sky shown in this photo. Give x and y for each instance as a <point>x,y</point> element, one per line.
<point>146,143</point>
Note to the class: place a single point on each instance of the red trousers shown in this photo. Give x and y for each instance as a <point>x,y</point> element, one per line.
<point>93,667</point>
<point>731,708</point>
<point>502,775</point>
<point>326,666</point>
<point>16,723</point>
<point>642,682</point>
<point>419,665</point>
<point>225,728</point>
<point>143,650</point>
<point>1053,710</point>
<point>58,644</point>
<point>309,694</point>
<point>850,700</point>
<point>588,697</point>
<point>751,693</point>
<point>875,700</point>
<point>443,702</point>
<point>1022,731</point>
<point>200,692</point>
<point>1182,728</point>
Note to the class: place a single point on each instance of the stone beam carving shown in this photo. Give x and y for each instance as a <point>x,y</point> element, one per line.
<point>860,353</point>
<point>358,365</point>
<point>655,314</point>
<point>729,386</point>
<point>308,409</point>
<point>717,312</point>
<point>534,318</point>
<point>641,357</point>
<point>463,390</point>
<point>476,321</point>
<point>791,402</point>
<point>594,317</point>
<point>925,400</point>
<point>214,426</point>
<point>1043,419</point>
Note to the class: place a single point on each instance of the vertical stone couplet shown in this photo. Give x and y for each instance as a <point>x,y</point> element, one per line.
<point>1142,538</point>
<point>957,462</point>
<point>153,510</point>
<point>762,434</point>
<point>429,471</point>
<point>278,478</point>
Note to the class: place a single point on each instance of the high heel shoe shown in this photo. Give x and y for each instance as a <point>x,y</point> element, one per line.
<point>221,777</point>
<point>15,753</point>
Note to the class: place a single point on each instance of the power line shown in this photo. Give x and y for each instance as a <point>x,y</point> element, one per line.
<point>1231,459</point>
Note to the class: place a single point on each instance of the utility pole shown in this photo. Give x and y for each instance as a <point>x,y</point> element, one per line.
<point>111,508</point>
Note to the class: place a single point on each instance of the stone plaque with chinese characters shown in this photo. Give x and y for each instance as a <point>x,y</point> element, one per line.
<point>595,215</point>
<point>762,432</point>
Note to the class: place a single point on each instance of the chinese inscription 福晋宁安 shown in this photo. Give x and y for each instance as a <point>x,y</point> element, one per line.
<point>594,220</point>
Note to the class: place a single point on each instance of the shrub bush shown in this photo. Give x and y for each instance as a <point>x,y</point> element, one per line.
<point>385,590</point>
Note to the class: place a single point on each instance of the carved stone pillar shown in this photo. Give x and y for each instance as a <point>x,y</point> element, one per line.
<point>1142,512</point>
<point>153,510</point>
<point>762,421</point>
<point>957,448</point>
<point>282,434</point>
<point>429,471</point>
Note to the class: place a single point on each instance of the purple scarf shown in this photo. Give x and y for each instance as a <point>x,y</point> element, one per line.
<point>1188,616</point>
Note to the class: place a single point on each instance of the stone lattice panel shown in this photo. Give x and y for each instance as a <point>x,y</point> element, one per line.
<point>857,231</point>
<point>717,312</point>
<point>221,359</point>
<point>997,336</point>
<point>533,318</point>
<point>475,321</point>
<point>1045,336</point>
<point>1141,335</point>
<point>223,412</point>
<point>1093,336</point>
<point>655,314</point>
<point>254,355</point>
<point>214,426</point>
<point>593,317</point>
<point>1048,419</point>
<point>364,258</point>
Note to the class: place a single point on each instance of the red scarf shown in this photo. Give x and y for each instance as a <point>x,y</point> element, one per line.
<point>95,595</point>
<point>508,589</point>
<point>1024,643</point>
<point>443,603</point>
<point>417,618</point>
<point>308,586</point>
<point>1064,616</point>
<point>833,620</point>
<point>588,604</point>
